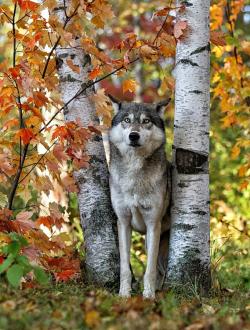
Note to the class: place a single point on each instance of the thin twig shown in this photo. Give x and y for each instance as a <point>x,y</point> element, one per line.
<point>165,20</point>
<point>14,34</point>
<point>8,18</point>
<point>82,90</point>
<point>39,160</point>
<point>68,18</point>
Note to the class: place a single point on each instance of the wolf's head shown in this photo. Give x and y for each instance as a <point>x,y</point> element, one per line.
<point>138,126</point>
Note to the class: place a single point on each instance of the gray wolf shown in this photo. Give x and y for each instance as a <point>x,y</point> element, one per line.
<point>140,188</point>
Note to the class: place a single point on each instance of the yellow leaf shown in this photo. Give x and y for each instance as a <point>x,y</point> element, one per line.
<point>235,152</point>
<point>216,14</point>
<point>92,318</point>
<point>33,121</point>
<point>98,22</point>
<point>129,85</point>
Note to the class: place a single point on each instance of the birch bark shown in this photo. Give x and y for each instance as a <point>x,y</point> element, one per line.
<point>189,254</point>
<point>97,217</point>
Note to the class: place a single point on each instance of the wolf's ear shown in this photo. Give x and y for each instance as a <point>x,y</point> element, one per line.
<point>116,103</point>
<point>160,107</point>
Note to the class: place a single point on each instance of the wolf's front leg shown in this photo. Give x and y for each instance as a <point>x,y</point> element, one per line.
<point>153,239</point>
<point>124,232</point>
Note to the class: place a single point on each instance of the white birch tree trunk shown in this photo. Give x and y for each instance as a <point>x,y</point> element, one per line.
<point>189,254</point>
<point>97,217</point>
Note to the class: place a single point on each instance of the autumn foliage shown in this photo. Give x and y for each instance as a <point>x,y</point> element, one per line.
<point>39,152</point>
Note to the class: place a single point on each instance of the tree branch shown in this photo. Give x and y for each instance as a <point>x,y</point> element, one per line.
<point>17,177</point>
<point>82,90</point>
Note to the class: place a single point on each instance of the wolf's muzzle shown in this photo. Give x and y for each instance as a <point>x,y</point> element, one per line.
<point>134,137</point>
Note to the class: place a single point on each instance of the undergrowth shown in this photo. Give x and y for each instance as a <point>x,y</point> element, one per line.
<point>75,306</point>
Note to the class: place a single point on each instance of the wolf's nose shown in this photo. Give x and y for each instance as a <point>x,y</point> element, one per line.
<point>134,136</point>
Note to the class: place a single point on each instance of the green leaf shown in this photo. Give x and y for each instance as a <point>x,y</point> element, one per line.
<point>14,248</point>
<point>14,275</point>
<point>7,262</point>
<point>19,238</point>
<point>40,275</point>
<point>24,262</point>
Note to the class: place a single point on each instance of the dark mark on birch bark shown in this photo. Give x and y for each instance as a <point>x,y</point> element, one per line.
<point>59,63</point>
<point>201,49</point>
<point>183,185</point>
<point>200,212</point>
<point>186,61</point>
<point>184,226</point>
<point>87,60</point>
<point>69,78</point>
<point>190,162</point>
<point>187,3</point>
<point>195,91</point>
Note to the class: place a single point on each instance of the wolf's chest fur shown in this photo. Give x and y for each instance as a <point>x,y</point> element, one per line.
<point>137,183</point>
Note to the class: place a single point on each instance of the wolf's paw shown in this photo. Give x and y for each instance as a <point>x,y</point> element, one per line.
<point>124,293</point>
<point>149,294</point>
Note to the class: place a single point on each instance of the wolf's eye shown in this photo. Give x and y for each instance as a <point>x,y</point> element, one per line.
<point>127,120</point>
<point>146,121</point>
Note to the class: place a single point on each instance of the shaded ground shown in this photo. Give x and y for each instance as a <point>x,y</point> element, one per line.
<point>73,306</point>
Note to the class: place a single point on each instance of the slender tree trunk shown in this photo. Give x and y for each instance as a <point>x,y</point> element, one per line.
<point>189,255</point>
<point>97,217</point>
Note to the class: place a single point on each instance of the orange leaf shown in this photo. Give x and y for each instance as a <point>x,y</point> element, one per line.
<point>25,134</point>
<point>65,275</point>
<point>218,38</point>
<point>94,73</point>
<point>179,28</point>
<point>129,85</point>
<point>14,72</point>
<point>73,67</point>
<point>10,123</point>
<point>62,132</point>
<point>40,99</point>
<point>242,170</point>
<point>47,221</point>
<point>162,12</point>
<point>166,51</point>
<point>244,185</point>
<point>27,4</point>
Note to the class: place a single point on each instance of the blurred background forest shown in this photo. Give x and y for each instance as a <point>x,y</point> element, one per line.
<point>45,235</point>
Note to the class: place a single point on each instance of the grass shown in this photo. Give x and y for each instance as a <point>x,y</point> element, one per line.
<point>74,306</point>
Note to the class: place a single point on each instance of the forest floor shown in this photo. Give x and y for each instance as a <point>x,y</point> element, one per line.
<point>74,306</point>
